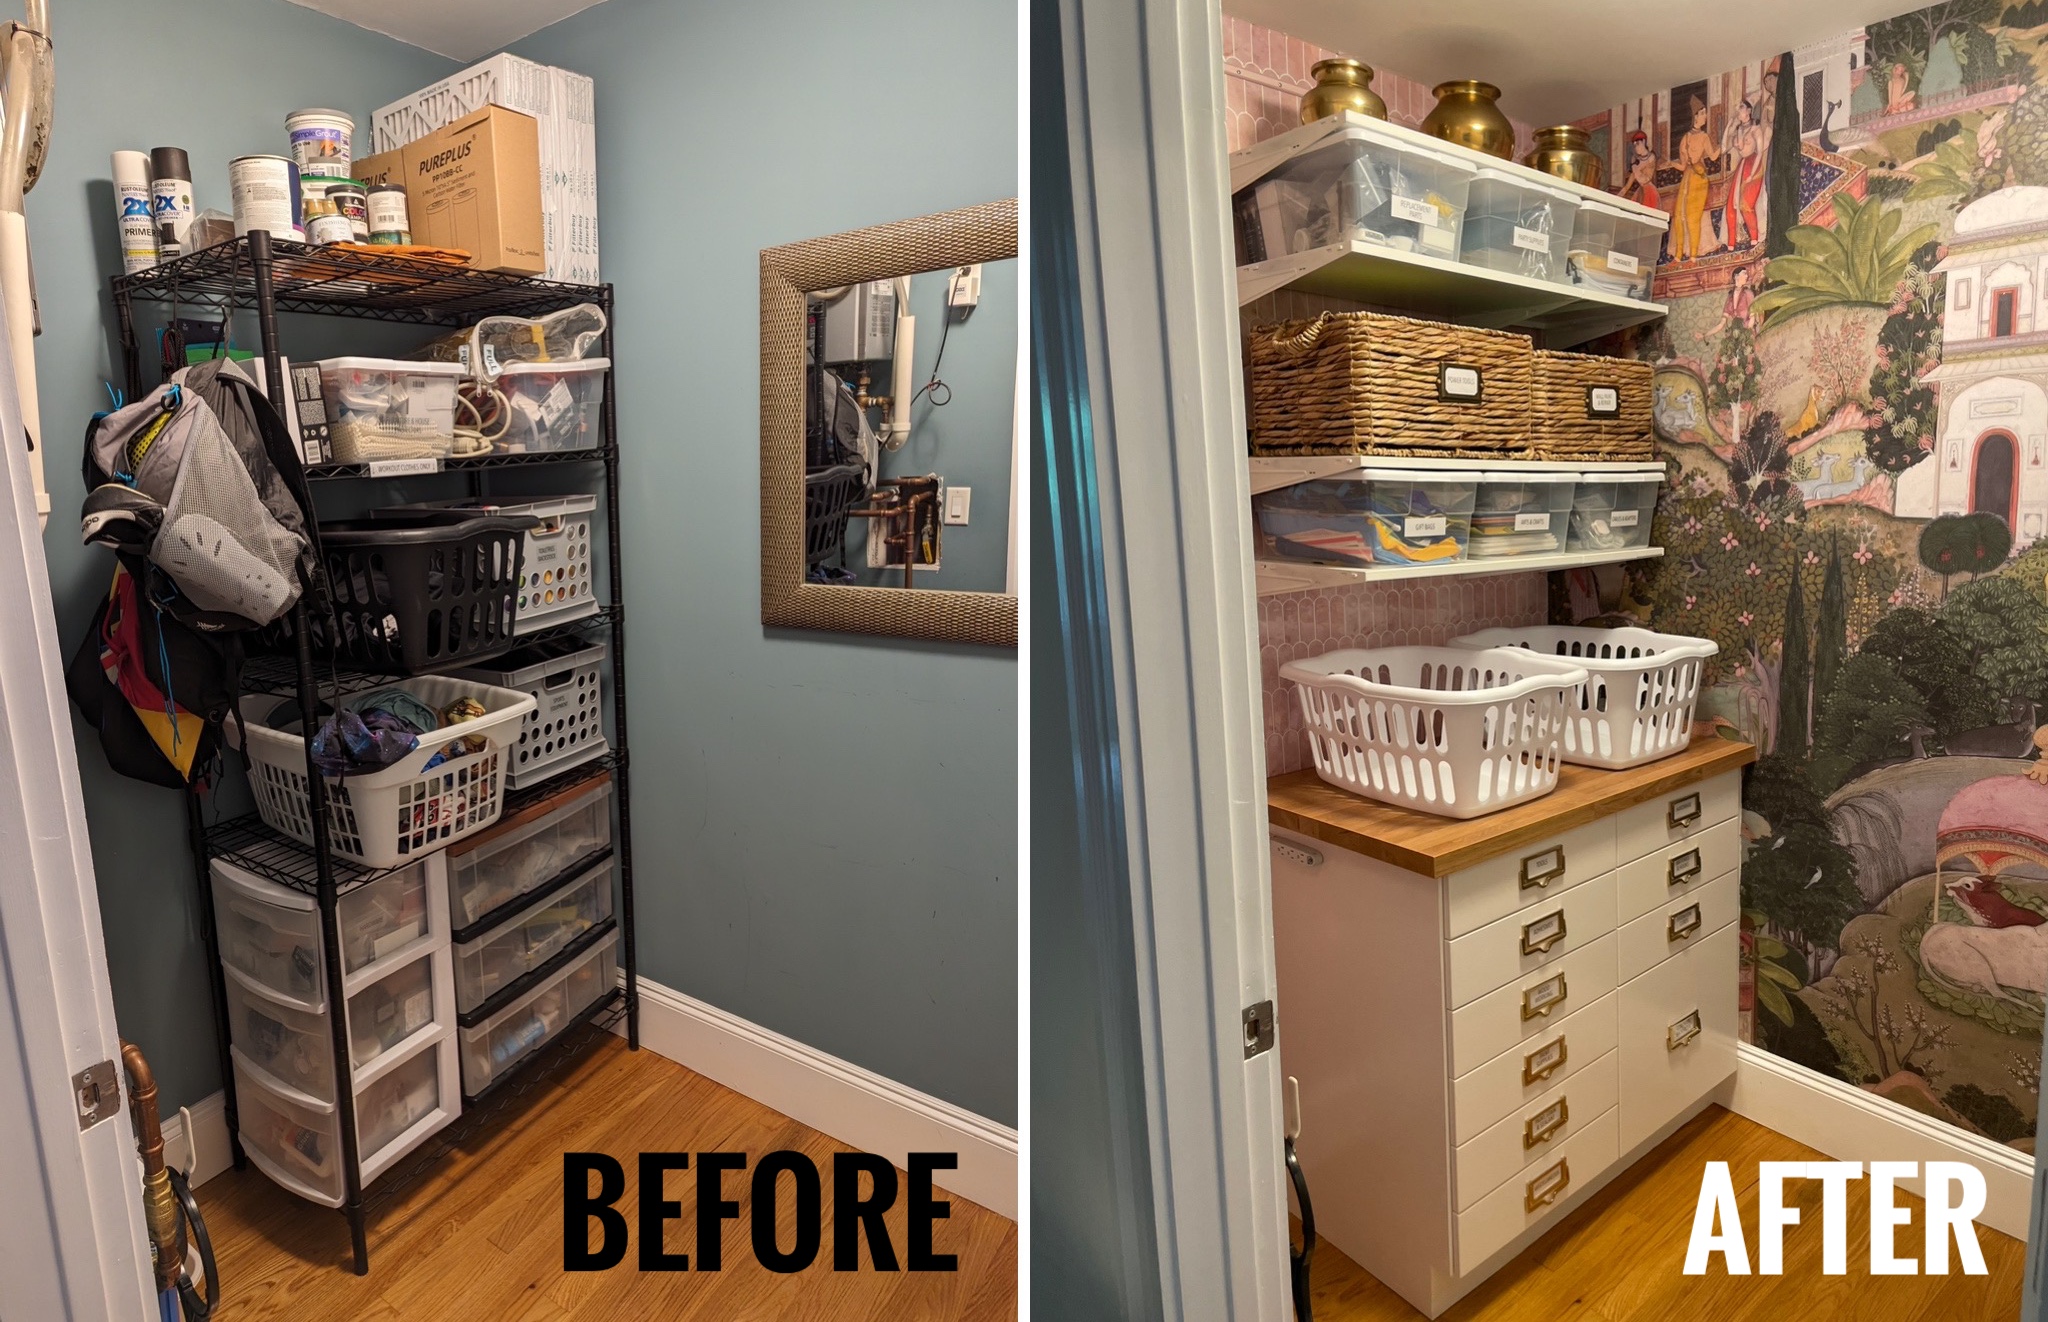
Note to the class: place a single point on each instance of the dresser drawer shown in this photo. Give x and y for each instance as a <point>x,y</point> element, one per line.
<point>1668,871</point>
<point>1523,942</point>
<point>1526,875</point>
<point>1531,1005</point>
<point>1679,925</point>
<point>1519,1074</point>
<point>1678,815</point>
<point>1533,1197</point>
<point>1678,1027</point>
<point>1522,1142</point>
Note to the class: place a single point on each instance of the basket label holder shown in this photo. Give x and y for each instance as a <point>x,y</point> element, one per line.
<point>1460,383</point>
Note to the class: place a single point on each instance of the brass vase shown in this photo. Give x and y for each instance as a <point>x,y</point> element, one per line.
<point>1562,151</point>
<point>1466,114</point>
<point>1341,85</point>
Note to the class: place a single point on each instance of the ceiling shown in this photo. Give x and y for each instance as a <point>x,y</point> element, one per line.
<point>459,29</point>
<point>1559,60</point>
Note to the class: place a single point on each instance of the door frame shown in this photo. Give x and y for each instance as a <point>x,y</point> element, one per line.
<point>72,1244</point>
<point>2011,513</point>
<point>1145,117</point>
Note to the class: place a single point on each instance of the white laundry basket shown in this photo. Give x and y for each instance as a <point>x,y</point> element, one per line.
<point>1637,703</point>
<point>382,819</point>
<point>1444,730</point>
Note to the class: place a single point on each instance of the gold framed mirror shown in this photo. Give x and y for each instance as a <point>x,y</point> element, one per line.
<point>824,487</point>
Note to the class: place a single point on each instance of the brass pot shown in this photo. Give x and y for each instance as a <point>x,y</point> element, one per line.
<point>1341,85</point>
<point>1562,151</point>
<point>1466,114</point>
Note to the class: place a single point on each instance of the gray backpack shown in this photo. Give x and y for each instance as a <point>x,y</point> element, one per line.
<point>200,478</point>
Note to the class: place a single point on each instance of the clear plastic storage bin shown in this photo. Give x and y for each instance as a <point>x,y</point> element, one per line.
<point>1420,517</point>
<point>494,1046</point>
<point>1612,510</point>
<point>1520,514</point>
<point>1614,249</point>
<point>531,938</point>
<point>390,1010</point>
<point>553,406</point>
<point>1373,183</point>
<point>290,1045</point>
<point>1327,519</point>
<point>297,1146</point>
<point>1519,225</point>
<point>395,1103</point>
<point>388,408</point>
<point>383,918</point>
<point>528,851</point>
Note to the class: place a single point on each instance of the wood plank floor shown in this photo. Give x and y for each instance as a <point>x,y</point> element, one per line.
<point>1619,1257</point>
<point>477,1237</point>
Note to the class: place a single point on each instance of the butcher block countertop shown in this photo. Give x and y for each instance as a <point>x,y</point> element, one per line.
<point>1435,846</point>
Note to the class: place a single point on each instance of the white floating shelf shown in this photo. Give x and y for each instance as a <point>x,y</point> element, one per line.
<point>1276,577</point>
<point>1444,290</point>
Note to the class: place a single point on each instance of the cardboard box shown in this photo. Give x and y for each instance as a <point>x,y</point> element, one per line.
<point>386,167</point>
<point>475,185</point>
<point>564,103</point>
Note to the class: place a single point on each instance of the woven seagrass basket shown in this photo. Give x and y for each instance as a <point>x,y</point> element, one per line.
<point>1369,384</point>
<point>1590,407</point>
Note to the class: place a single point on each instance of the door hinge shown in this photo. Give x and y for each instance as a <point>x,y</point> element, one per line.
<point>1258,1029</point>
<point>97,1091</point>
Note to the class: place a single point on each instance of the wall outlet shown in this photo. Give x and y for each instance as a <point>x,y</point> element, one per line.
<point>957,501</point>
<point>963,291</point>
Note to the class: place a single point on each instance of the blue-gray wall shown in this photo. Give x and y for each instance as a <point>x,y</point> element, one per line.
<point>216,77</point>
<point>825,825</point>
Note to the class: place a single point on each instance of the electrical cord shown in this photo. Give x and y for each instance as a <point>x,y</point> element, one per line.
<point>931,388</point>
<point>198,1308</point>
<point>1298,1260</point>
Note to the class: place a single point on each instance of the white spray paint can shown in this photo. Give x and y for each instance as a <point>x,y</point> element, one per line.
<point>265,190</point>
<point>132,206</point>
<point>170,196</point>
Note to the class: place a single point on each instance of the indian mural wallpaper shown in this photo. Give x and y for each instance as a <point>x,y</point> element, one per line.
<point>1852,400</point>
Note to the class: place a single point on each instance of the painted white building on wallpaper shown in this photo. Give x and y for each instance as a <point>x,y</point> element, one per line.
<point>1991,437</point>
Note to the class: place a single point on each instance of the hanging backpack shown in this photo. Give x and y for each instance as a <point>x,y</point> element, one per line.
<point>198,489</point>
<point>200,477</point>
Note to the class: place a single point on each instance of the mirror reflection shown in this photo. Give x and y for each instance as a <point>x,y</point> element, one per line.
<point>910,430</point>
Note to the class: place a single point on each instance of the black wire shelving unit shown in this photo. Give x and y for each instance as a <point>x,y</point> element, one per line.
<point>266,276</point>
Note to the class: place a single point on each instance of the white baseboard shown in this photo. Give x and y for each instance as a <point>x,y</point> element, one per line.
<point>856,1106</point>
<point>1850,1124</point>
<point>204,1151</point>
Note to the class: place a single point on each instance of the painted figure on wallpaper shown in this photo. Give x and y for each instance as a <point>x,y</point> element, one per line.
<point>1690,236</point>
<point>1744,148</point>
<point>1851,395</point>
<point>1641,184</point>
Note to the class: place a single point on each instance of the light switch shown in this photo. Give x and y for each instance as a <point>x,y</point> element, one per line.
<point>957,500</point>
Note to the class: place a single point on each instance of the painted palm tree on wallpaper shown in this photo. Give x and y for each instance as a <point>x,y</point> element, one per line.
<point>1860,259</point>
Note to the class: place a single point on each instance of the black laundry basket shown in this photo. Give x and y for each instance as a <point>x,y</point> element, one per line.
<point>828,494</point>
<point>418,592</point>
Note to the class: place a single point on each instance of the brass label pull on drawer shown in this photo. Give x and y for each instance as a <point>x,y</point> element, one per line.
<point>1543,867</point>
<point>1683,923</point>
<point>1685,869</point>
<point>1683,1032</point>
<point>1545,1123</point>
<point>1682,811</point>
<point>1548,1187</point>
<point>1538,937</point>
<point>1544,997</point>
<point>1543,1062</point>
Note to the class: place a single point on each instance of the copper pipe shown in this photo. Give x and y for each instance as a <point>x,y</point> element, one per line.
<point>159,1204</point>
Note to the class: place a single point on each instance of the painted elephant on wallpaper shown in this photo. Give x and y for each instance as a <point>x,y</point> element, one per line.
<point>2003,949</point>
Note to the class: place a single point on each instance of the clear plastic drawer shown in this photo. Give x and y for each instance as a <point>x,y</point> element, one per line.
<point>528,851</point>
<point>390,1010</point>
<point>297,1146</point>
<point>494,1047</point>
<point>530,938</point>
<point>398,1101</point>
<point>291,1045</point>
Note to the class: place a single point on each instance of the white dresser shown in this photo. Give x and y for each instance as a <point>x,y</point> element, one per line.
<point>1490,1019</point>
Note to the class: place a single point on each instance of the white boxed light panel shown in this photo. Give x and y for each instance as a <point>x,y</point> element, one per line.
<point>565,103</point>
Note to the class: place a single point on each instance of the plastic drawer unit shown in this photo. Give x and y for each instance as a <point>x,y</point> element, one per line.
<point>489,965</point>
<point>545,842</point>
<point>494,1047</point>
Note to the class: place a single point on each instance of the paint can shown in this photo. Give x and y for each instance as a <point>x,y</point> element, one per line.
<point>324,224</point>
<point>389,223</point>
<point>352,201</point>
<point>323,141</point>
<point>132,206</point>
<point>170,200</point>
<point>265,190</point>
